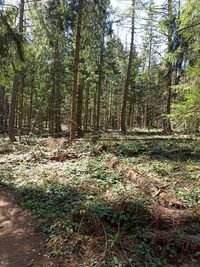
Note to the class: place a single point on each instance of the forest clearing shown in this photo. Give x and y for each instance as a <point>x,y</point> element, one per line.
<point>128,203</point>
<point>99,133</point>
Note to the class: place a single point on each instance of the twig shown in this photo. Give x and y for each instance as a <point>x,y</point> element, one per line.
<point>160,190</point>
<point>106,245</point>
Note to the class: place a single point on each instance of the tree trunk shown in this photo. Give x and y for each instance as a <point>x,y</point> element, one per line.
<point>167,122</point>
<point>12,110</point>
<point>16,85</point>
<point>73,125</point>
<point>52,105</point>
<point>2,108</point>
<point>21,104</point>
<point>94,112</point>
<point>57,95</point>
<point>128,75</point>
<point>146,111</point>
<point>130,113</point>
<point>6,113</point>
<point>110,118</point>
<point>30,109</point>
<point>86,108</point>
<point>148,93</point>
<point>99,87</point>
<point>2,102</point>
<point>80,107</point>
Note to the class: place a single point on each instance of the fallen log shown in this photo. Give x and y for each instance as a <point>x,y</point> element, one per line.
<point>168,212</point>
<point>182,241</point>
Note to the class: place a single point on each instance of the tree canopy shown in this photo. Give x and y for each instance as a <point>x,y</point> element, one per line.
<point>64,67</point>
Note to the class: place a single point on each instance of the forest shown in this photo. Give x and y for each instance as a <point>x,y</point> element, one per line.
<point>99,133</point>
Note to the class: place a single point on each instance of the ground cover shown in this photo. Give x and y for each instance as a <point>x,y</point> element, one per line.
<point>110,203</point>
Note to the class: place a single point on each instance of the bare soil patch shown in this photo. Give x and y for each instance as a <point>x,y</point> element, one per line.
<point>20,244</point>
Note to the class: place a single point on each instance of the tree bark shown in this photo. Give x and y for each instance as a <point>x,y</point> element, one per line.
<point>94,112</point>
<point>12,110</point>
<point>21,104</point>
<point>100,81</point>
<point>167,122</point>
<point>30,109</point>
<point>130,113</point>
<point>87,94</point>
<point>57,95</point>
<point>16,85</point>
<point>73,125</point>
<point>80,107</point>
<point>128,75</point>
<point>2,108</point>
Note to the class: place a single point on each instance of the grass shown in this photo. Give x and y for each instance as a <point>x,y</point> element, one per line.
<point>88,209</point>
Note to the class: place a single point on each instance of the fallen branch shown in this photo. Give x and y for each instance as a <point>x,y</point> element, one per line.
<point>183,241</point>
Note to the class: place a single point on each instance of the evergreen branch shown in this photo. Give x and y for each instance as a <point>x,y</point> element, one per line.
<point>12,35</point>
<point>188,27</point>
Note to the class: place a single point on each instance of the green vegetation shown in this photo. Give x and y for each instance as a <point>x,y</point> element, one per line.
<point>66,69</point>
<point>99,124</point>
<point>88,209</point>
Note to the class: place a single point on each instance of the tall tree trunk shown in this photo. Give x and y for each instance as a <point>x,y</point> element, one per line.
<point>2,107</point>
<point>52,105</point>
<point>148,93</point>
<point>146,111</point>
<point>86,108</point>
<point>130,113</point>
<point>73,125</point>
<point>110,118</point>
<point>30,109</point>
<point>128,75</point>
<point>16,85</point>
<point>57,95</point>
<point>100,81</point>
<point>6,113</point>
<point>167,122</point>
<point>21,104</point>
<point>13,104</point>
<point>2,101</point>
<point>94,112</point>
<point>80,107</point>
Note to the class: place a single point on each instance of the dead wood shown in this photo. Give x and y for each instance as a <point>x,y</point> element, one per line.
<point>144,183</point>
<point>168,218</point>
<point>182,241</point>
<point>169,212</point>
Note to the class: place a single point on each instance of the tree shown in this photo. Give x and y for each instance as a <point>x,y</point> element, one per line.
<point>186,108</point>
<point>17,82</point>
<point>103,17</point>
<point>128,74</point>
<point>73,126</point>
<point>170,22</point>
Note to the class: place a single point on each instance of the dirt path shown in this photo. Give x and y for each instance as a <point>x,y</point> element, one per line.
<point>20,244</point>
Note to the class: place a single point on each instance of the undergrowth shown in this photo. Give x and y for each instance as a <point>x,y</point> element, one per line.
<point>86,208</point>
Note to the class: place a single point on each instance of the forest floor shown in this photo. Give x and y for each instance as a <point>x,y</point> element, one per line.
<point>20,244</point>
<point>101,203</point>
